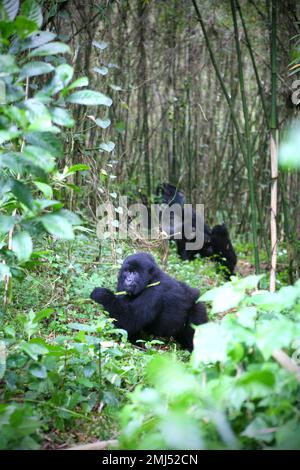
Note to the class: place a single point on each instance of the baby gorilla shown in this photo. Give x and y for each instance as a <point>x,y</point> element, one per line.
<point>164,309</point>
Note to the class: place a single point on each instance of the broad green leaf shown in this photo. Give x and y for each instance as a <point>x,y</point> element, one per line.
<point>257,383</point>
<point>65,73</point>
<point>51,48</point>
<point>89,98</point>
<point>11,7</point>
<point>46,141</point>
<point>80,82</point>
<point>58,226</point>
<point>258,429</point>
<point>78,167</point>
<point>6,223</point>
<point>38,115</point>
<point>39,157</point>
<point>210,344</point>
<point>36,39</point>
<point>71,217</point>
<point>107,146</point>
<point>62,117</point>
<point>82,327</point>
<point>7,64</point>
<point>33,69</point>
<point>275,334</point>
<point>42,314</point>
<point>246,317</point>
<point>31,10</point>
<point>223,298</point>
<point>22,193</point>
<point>33,349</point>
<point>38,370</point>
<point>8,135</point>
<point>22,246</point>
<point>45,189</point>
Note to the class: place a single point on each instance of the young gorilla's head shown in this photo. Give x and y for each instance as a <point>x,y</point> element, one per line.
<point>136,272</point>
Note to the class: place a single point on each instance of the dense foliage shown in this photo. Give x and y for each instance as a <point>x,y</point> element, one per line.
<point>67,375</point>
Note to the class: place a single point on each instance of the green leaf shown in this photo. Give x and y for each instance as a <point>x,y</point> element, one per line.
<point>275,334</point>
<point>39,157</point>
<point>6,223</point>
<point>33,69</point>
<point>223,298</point>
<point>11,7</point>
<point>45,313</point>
<point>82,327</point>
<point>34,350</point>
<point>78,167</point>
<point>64,73</point>
<point>22,246</point>
<point>38,115</point>
<point>8,135</point>
<point>210,344</point>
<point>58,226</point>
<point>62,117</point>
<point>46,141</point>
<point>7,64</point>
<point>38,370</point>
<point>51,48</point>
<point>22,193</point>
<point>107,146</point>
<point>80,82</point>
<point>32,11</point>
<point>258,429</point>
<point>89,98</point>
<point>45,189</point>
<point>36,39</point>
<point>257,383</point>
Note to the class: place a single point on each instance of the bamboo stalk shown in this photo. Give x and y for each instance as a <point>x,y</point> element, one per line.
<point>273,149</point>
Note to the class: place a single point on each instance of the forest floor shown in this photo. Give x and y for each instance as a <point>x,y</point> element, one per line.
<point>78,395</point>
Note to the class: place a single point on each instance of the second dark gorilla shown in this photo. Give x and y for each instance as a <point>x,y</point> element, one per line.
<point>167,309</point>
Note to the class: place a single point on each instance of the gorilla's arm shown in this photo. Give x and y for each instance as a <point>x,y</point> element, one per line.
<point>131,315</point>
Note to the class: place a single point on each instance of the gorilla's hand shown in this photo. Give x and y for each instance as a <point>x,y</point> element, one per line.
<point>102,295</point>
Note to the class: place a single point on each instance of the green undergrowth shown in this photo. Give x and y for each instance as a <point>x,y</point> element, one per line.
<point>68,376</point>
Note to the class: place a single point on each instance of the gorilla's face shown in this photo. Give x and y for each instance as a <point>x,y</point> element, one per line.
<point>136,272</point>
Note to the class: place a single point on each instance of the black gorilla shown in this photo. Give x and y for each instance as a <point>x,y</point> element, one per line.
<point>222,249</point>
<point>217,243</point>
<point>167,193</point>
<point>164,310</point>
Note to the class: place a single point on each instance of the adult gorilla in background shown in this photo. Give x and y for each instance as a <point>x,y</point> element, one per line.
<point>166,309</point>
<point>217,243</point>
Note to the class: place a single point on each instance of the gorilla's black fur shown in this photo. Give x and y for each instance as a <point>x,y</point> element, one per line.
<point>217,243</point>
<point>223,249</point>
<point>164,310</point>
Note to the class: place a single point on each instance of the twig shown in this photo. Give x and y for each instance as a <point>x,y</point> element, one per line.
<point>287,363</point>
<point>98,445</point>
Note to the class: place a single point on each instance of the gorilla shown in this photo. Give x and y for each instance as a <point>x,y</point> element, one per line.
<point>223,250</point>
<point>217,244</point>
<point>149,301</point>
<point>167,193</point>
